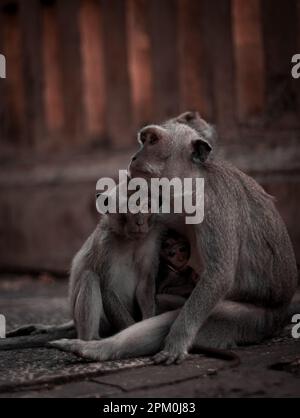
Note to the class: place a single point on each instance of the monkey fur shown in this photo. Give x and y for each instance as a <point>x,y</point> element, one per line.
<point>174,283</point>
<point>241,253</point>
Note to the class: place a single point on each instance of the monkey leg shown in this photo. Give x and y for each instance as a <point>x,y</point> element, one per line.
<point>231,324</point>
<point>141,339</point>
<point>88,310</point>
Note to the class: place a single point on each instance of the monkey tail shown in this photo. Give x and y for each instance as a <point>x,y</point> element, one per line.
<point>232,359</point>
<point>35,341</point>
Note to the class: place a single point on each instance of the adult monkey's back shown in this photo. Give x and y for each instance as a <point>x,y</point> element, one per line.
<point>250,273</point>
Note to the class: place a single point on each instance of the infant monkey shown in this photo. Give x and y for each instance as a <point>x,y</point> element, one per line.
<point>175,280</point>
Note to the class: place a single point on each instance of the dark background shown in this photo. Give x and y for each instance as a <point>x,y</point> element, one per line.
<point>83,76</point>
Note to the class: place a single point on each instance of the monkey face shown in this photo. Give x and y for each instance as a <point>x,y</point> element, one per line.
<point>176,252</point>
<point>173,149</point>
<point>138,225</point>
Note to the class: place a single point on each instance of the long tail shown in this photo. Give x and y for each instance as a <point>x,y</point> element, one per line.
<point>231,357</point>
<point>34,341</point>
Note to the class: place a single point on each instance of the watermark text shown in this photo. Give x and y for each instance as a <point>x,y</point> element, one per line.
<point>158,195</point>
<point>2,326</point>
<point>296,328</point>
<point>2,66</point>
<point>296,66</point>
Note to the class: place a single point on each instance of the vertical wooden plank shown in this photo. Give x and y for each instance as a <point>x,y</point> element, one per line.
<point>118,105</point>
<point>33,72</point>
<point>53,94</point>
<point>93,67</point>
<point>280,40</point>
<point>70,57</point>
<point>163,24</point>
<point>140,61</point>
<point>218,29</point>
<point>249,58</point>
<point>195,70</point>
<point>12,88</point>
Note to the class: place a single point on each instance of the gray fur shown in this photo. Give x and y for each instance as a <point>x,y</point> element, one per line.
<point>110,274</point>
<point>249,275</point>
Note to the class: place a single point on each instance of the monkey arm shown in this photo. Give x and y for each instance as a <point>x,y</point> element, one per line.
<point>116,311</point>
<point>145,295</point>
<point>220,259</point>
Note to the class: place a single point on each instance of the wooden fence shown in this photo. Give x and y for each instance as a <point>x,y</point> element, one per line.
<point>87,73</point>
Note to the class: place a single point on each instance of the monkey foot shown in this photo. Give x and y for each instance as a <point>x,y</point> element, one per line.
<point>90,350</point>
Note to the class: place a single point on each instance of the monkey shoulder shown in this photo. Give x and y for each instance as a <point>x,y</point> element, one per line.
<point>230,194</point>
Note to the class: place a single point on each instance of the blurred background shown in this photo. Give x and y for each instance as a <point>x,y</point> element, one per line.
<point>84,75</point>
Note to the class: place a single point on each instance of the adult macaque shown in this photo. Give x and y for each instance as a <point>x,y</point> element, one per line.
<point>249,270</point>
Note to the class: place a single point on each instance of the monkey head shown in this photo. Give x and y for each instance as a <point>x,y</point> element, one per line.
<point>175,250</point>
<point>132,226</point>
<point>176,148</point>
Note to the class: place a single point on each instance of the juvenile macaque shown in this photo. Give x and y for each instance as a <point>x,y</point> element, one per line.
<point>112,282</point>
<point>249,272</point>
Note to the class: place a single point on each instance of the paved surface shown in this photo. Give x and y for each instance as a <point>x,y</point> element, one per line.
<point>270,369</point>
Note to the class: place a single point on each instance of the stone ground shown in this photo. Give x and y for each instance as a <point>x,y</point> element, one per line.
<point>271,369</point>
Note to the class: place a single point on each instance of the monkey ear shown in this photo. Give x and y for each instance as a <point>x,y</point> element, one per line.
<point>188,117</point>
<point>194,120</point>
<point>201,150</point>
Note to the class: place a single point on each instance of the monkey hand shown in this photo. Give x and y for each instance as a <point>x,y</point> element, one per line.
<point>171,354</point>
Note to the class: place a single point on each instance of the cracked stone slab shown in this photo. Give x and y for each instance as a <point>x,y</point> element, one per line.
<point>195,366</point>
<point>36,367</point>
